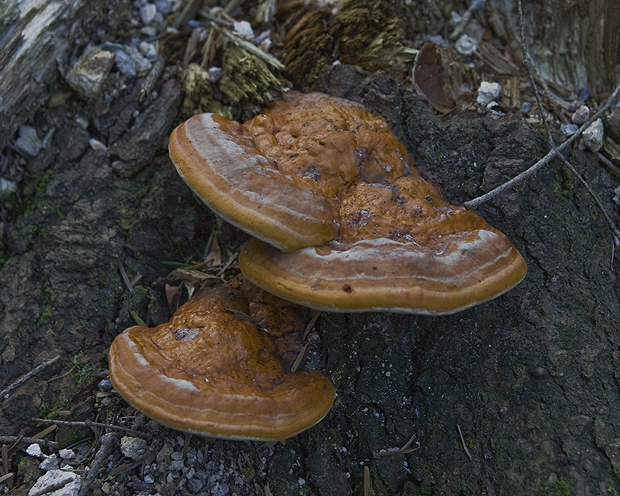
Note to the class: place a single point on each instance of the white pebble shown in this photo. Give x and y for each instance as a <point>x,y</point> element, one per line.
<point>466,45</point>
<point>50,463</point>
<point>55,478</point>
<point>487,92</point>
<point>244,30</point>
<point>593,135</point>
<point>147,13</point>
<point>34,450</point>
<point>215,73</point>
<point>28,141</point>
<point>96,145</point>
<point>581,115</point>
<point>133,447</point>
<point>67,454</point>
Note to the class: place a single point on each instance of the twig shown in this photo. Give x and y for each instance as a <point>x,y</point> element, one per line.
<point>398,451</point>
<point>227,264</point>
<point>6,477</point>
<point>5,459</point>
<point>463,441</point>
<point>126,280</point>
<point>302,352</point>
<point>310,325</point>
<point>5,392</point>
<point>106,444</point>
<point>88,423</point>
<point>29,440</point>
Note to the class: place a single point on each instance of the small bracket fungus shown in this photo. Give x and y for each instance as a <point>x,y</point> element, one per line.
<point>211,373</point>
<point>346,221</point>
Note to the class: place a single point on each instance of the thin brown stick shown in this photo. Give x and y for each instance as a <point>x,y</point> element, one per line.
<point>5,392</point>
<point>5,459</point>
<point>28,440</point>
<point>88,423</point>
<point>126,280</point>
<point>6,477</point>
<point>463,441</point>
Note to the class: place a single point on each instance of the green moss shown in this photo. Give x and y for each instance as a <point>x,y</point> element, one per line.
<point>559,487</point>
<point>49,297</point>
<point>124,217</point>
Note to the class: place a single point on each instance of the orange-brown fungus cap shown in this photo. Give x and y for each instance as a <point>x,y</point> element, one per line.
<point>212,372</point>
<point>280,175</point>
<point>402,249</point>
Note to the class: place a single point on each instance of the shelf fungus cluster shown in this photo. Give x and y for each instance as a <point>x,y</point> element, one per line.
<point>342,220</point>
<point>212,371</point>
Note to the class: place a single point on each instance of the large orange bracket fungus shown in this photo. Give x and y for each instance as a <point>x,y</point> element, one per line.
<point>346,223</point>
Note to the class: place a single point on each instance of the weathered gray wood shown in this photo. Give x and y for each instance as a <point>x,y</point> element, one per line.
<point>36,36</point>
<point>573,44</point>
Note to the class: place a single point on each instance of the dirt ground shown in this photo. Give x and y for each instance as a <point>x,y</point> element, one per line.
<point>516,396</point>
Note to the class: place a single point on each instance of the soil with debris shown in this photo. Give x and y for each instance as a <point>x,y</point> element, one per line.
<point>516,396</point>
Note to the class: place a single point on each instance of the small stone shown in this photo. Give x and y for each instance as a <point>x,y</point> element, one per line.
<point>28,141</point>
<point>215,73</point>
<point>148,50</point>
<point>96,145</point>
<point>163,6</point>
<point>487,92</point>
<point>55,478</point>
<point>244,30</point>
<point>105,385</point>
<point>90,72</point>
<point>66,454</point>
<point>83,123</point>
<point>34,450</point>
<point>593,135</point>
<point>526,107</point>
<point>568,129</point>
<point>176,465</point>
<point>50,463</point>
<point>133,447</point>
<point>125,64</point>
<point>7,187</point>
<point>466,45</point>
<point>177,455</point>
<point>147,13</point>
<point>581,115</point>
<point>149,31</point>
<point>195,485</point>
<point>149,479</point>
<point>142,64</point>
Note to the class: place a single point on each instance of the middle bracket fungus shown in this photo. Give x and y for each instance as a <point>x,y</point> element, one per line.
<point>346,221</point>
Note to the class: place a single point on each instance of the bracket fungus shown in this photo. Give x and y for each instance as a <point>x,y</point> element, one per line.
<point>212,373</point>
<point>344,221</point>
